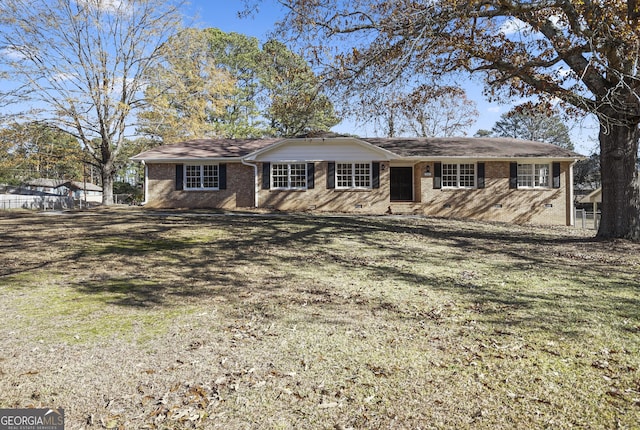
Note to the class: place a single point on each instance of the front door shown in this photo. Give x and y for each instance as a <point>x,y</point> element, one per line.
<point>401,179</point>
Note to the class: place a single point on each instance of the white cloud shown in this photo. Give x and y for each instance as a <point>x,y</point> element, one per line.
<point>513,26</point>
<point>494,109</point>
<point>563,72</point>
<point>109,6</point>
<point>13,54</point>
<point>62,77</point>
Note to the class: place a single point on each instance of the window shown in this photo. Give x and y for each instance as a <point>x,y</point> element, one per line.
<point>458,175</point>
<point>353,175</point>
<point>533,175</point>
<point>201,177</point>
<point>289,176</point>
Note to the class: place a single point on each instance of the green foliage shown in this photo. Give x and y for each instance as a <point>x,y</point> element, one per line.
<point>239,55</point>
<point>297,104</point>
<point>35,150</point>
<point>530,124</point>
<point>587,172</point>
<point>255,91</point>
<point>186,89</point>
<point>129,193</point>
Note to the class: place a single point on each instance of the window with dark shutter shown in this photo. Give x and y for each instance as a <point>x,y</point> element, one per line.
<point>480,175</point>
<point>437,176</point>
<point>311,172</point>
<point>555,168</point>
<point>266,176</point>
<point>222,176</point>
<point>513,175</point>
<point>331,175</point>
<point>179,177</point>
<point>375,174</point>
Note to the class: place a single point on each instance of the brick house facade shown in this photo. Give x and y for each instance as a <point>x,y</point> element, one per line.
<point>478,178</point>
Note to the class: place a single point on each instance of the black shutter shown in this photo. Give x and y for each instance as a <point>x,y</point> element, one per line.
<point>222,176</point>
<point>311,172</point>
<point>331,174</point>
<point>556,175</point>
<point>266,176</point>
<point>375,174</point>
<point>179,177</point>
<point>437,176</point>
<point>513,175</point>
<point>480,175</point>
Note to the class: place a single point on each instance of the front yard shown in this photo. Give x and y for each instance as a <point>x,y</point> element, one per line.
<point>135,319</point>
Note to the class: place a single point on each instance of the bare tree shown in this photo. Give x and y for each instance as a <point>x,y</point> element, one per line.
<point>439,112</point>
<point>426,111</point>
<point>83,63</point>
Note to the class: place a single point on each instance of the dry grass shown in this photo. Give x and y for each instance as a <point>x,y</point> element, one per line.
<point>133,319</point>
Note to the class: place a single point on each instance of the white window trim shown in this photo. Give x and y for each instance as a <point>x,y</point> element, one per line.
<point>289,187</point>
<point>458,187</point>
<point>533,177</point>
<point>353,175</point>
<point>200,188</point>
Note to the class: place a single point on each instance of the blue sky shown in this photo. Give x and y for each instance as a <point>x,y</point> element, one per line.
<point>224,15</point>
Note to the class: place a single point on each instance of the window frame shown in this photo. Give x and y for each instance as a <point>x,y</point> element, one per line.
<point>202,179</point>
<point>354,176</point>
<point>533,177</point>
<point>300,176</point>
<point>448,177</point>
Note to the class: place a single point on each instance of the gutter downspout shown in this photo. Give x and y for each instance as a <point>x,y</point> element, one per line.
<point>572,212</point>
<point>256,187</point>
<point>146,183</point>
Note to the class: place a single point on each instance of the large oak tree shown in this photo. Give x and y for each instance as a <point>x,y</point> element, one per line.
<point>584,53</point>
<point>81,65</point>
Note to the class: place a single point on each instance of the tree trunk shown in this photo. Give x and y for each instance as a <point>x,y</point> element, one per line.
<point>107,184</point>
<point>620,187</point>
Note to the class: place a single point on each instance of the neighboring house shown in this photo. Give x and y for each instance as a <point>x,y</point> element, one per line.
<point>77,190</point>
<point>479,178</point>
<point>60,187</point>
<point>44,185</point>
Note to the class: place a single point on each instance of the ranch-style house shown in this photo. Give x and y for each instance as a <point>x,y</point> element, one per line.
<point>495,179</point>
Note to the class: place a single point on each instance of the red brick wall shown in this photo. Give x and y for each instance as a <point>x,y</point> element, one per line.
<point>162,193</point>
<point>329,200</point>
<point>496,202</point>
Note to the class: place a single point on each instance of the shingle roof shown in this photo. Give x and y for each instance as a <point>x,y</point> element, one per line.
<point>471,147</point>
<point>44,182</point>
<point>474,147</point>
<point>77,185</point>
<point>205,148</point>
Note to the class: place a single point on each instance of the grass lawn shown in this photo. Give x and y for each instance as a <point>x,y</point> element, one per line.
<point>135,319</point>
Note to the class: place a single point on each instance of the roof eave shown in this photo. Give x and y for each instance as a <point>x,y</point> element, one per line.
<point>418,158</point>
<point>187,160</point>
<point>388,155</point>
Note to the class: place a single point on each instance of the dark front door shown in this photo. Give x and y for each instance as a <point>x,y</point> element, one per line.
<point>401,179</point>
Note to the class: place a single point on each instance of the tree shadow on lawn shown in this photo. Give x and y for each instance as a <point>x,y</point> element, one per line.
<point>157,265</point>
